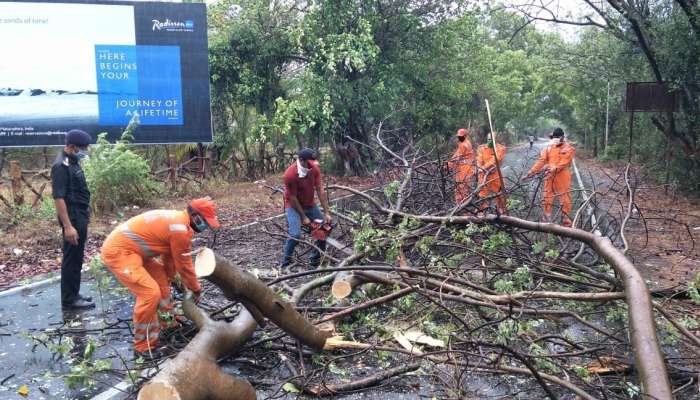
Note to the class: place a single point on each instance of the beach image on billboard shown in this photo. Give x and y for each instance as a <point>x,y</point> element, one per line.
<point>49,75</point>
<point>98,66</point>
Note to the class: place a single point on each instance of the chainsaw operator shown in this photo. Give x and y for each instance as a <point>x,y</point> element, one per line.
<point>130,253</point>
<point>301,181</point>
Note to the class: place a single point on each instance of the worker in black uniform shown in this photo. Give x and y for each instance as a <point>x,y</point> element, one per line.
<point>72,198</point>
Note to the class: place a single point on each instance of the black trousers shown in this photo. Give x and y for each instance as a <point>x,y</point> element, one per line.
<point>72,262</point>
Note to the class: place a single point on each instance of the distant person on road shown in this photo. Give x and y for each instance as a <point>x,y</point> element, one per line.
<point>130,252</point>
<point>301,181</point>
<point>72,198</point>
<point>462,164</point>
<point>531,139</point>
<point>488,174</point>
<point>555,161</point>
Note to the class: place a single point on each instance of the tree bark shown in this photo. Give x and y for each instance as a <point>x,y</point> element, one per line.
<point>194,374</point>
<point>243,286</point>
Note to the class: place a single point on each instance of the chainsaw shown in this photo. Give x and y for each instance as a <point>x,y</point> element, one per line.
<point>318,229</point>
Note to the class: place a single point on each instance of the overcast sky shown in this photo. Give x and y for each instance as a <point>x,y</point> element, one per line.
<point>563,9</point>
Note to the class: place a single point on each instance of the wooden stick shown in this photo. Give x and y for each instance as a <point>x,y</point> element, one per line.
<point>495,155</point>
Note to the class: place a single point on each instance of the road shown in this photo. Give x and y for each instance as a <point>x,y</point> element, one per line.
<point>33,311</point>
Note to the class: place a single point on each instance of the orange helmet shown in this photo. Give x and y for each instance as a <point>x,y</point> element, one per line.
<point>462,132</point>
<point>207,209</point>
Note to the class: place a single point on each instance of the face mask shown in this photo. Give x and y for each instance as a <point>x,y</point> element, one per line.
<point>82,154</point>
<point>489,142</point>
<point>555,141</point>
<point>461,138</point>
<point>199,224</point>
<point>301,170</point>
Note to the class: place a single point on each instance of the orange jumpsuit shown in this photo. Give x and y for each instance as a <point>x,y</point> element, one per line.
<point>462,161</point>
<point>557,182</point>
<point>130,251</point>
<point>486,161</point>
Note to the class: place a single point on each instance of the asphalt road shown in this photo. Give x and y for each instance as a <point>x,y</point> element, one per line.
<point>32,311</point>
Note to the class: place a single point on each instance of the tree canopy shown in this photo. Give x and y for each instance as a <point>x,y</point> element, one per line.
<point>324,74</point>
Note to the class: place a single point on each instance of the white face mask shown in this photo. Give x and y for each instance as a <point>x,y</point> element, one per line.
<point>301,170</point>
<point>554,141</point>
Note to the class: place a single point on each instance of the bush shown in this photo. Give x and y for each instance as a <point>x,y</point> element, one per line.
<point>117,176</point>
<point>615,152</point>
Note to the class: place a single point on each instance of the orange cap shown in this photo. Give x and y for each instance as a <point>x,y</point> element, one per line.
<point>207,209</point>
<point>462,132</point>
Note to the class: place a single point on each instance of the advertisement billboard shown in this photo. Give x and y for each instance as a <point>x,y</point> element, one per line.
<point>95,65</point>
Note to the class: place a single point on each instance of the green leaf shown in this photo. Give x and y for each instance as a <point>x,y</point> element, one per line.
<point>89,349</point>
<point>290,388</point>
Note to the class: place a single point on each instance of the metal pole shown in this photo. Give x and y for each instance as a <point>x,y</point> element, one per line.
<point>495,155</point>
<point>607,117</point>
<point>629,151</point>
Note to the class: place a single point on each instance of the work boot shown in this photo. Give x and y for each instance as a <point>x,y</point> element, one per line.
<point>148,355</point>
<point>86,298</point>
<point>78,304</point>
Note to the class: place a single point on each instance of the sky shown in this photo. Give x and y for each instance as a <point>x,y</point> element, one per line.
<point>564,9</point>
<point>57,50</point>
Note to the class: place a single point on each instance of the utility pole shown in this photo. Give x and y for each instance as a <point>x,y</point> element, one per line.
<point>607,117</point>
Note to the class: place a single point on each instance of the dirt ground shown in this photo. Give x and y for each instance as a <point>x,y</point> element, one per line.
<point>664,231</point>
<point>31,249</point>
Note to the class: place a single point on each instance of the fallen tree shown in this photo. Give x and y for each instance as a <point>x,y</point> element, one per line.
<point>460,295</point>
<point>194,374</point>
<point>647,351</point>
<point>242,285</point>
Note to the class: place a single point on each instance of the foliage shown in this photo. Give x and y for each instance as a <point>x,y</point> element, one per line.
<point>496,241</point>
<point>83,365</point>
<point>117,176</point>
<point>520,279</point>
<point>83,371</point>
<point>23,213</point>
<point>617,314</point>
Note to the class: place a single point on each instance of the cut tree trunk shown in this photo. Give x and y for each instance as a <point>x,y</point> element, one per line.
<point>194,374</point>
<point>344,283</point>
<point>241,285</point>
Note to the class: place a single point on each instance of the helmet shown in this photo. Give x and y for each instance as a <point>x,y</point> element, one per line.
<point>206,208</point>
<point>462,132</point>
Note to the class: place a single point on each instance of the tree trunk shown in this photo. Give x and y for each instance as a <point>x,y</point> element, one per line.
<point>16,182</point>
<point>194,374</point>
<point>243,286</point>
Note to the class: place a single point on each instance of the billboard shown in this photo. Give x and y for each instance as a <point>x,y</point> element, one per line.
<point>651,97</point>
<point>94,65</point>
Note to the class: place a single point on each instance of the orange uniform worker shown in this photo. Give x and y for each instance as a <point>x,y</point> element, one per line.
<point>130,253</point>
<point>488,174</point>
<point>462,163</point>
<point>555,159</point>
